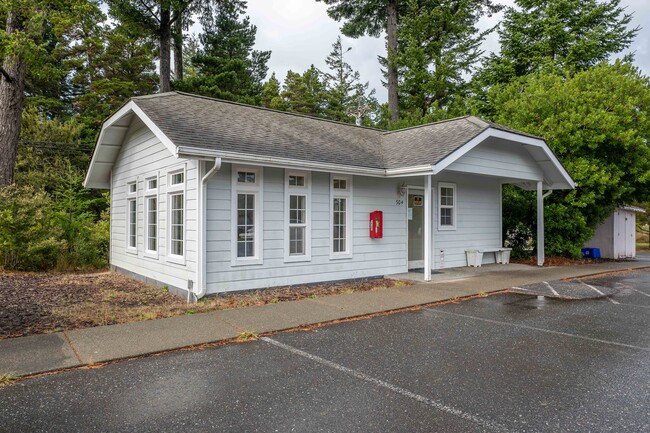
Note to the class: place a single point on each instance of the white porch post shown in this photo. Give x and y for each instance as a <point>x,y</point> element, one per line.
<point>427,228</point>
<point>540,225</point>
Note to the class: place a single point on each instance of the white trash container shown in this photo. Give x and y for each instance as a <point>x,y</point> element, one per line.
<point>505,255</point>
<point>474,258</point>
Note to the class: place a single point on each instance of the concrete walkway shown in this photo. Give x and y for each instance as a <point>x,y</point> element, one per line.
<point>50,352</point>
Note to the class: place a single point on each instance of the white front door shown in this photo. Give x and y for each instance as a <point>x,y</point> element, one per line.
<point>630,234</point>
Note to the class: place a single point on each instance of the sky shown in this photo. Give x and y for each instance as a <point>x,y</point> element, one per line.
<point>299,33</point>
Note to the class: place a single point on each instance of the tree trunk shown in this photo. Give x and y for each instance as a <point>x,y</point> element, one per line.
<point>178,48</point>
<point>12,97</point>
<point>165,50</point>
<point>391,30</point>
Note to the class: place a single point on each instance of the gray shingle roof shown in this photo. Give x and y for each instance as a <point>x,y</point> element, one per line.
<point>203,123</point>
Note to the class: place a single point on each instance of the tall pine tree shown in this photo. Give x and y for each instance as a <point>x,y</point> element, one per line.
<point>440,45</point>
<point>565,35</point>
<point>347,98</point>
<point>227,66</point>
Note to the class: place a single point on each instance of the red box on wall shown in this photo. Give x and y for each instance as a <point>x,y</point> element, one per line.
<point>376,224</point>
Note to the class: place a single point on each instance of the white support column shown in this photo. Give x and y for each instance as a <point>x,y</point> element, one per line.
<point>540,225</point>
<point>427,228</point>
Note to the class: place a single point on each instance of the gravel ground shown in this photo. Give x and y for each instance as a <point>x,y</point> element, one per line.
<point>42,303</point>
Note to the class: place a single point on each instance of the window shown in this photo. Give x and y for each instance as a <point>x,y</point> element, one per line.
<point>132,217</point>
<point>177,224</point>
<point>133,225</point>
<point>151,217</point>
<point>152,224</point>
<point>297,215</point>
<point>246,217</point>
<point>446,206</point>
<point>176,217</point>
<point>245,225</point>
<point>341,196</point>
<point>177,178</point>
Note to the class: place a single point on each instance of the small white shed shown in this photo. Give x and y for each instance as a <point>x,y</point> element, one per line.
<point>616,236</point>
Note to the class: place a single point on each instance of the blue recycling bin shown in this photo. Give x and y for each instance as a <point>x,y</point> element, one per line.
<point>591,253</point>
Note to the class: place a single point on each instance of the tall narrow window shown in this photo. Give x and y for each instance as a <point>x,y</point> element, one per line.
<point>177,224</point>
<point>245,225</point>
<point>446,206</point>
<point>341,193</point>
<point>151,216</point>
<point>132,217</point>
<point>297,214</point>
<point>176,216</point>
<point>133,224</point>
<point>247,233</point>
<point>339,236</point>
<point>152,224</point>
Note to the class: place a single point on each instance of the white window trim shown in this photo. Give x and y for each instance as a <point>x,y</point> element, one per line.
<point>257,189</point>
<point>173,190</point>
<point>347,194</point>
<point>454,207</point>
<point>129,197</point>
<point>290,190</point>
<point>151,193</point>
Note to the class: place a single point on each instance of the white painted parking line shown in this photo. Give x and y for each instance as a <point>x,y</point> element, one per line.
<point>521,288</point>
<point>394,388</point>
<point>548,331</point>
<point>643,293</point>
<point>551,288</point>
<point>593,288</point>
<point>600,293</point>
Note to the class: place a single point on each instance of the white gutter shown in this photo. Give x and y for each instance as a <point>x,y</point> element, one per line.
<point>200,262</point>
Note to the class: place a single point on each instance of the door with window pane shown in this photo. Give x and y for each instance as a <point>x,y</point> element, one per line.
<point>415,216</point>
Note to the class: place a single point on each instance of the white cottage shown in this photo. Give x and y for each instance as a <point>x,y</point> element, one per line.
<point>209,196</point>
<point>616,236</point>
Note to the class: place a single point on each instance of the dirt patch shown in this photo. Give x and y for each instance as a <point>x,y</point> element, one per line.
<point>559,261</point>
<point>43,303</point>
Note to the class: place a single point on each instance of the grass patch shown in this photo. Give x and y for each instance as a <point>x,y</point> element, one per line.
<point>247,336</point>
<point>7,379</point>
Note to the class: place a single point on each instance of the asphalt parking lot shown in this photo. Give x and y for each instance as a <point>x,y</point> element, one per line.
<point>507,362</point>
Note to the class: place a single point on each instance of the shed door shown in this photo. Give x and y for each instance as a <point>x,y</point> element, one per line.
<point>630,234</point>
<point>619,235</point>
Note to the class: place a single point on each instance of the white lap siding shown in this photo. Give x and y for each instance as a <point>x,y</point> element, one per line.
<point>143,156</point>
<point>478,220</point>
<point>370,257</point>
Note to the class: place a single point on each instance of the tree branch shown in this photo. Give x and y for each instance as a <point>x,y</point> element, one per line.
<point>151,12</point>
<point>5,74</point>
<point>177,14</point>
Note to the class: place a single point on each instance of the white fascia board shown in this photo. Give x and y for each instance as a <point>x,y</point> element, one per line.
<point>410,171</point>
<point>633,209</point>
<point>271,161</point>
<point>109,122</point>
<point>505,135</point>
<point>129,107</point>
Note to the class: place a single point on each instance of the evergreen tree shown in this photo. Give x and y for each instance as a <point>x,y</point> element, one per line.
<point>564,35</point>
<point>304,94</point>
<point>372,17</point>
<point>439,46</point>
<point>118,65</point>
<point>347,98</point>
<point>27,31</point>
<point>157,19</point>
<point>271,94</point>
<point>227,66</point>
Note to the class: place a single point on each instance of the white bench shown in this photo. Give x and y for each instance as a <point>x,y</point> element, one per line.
<point>475,256</point>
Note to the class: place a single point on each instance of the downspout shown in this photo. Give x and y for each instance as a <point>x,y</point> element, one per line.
<point>200,263</point>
